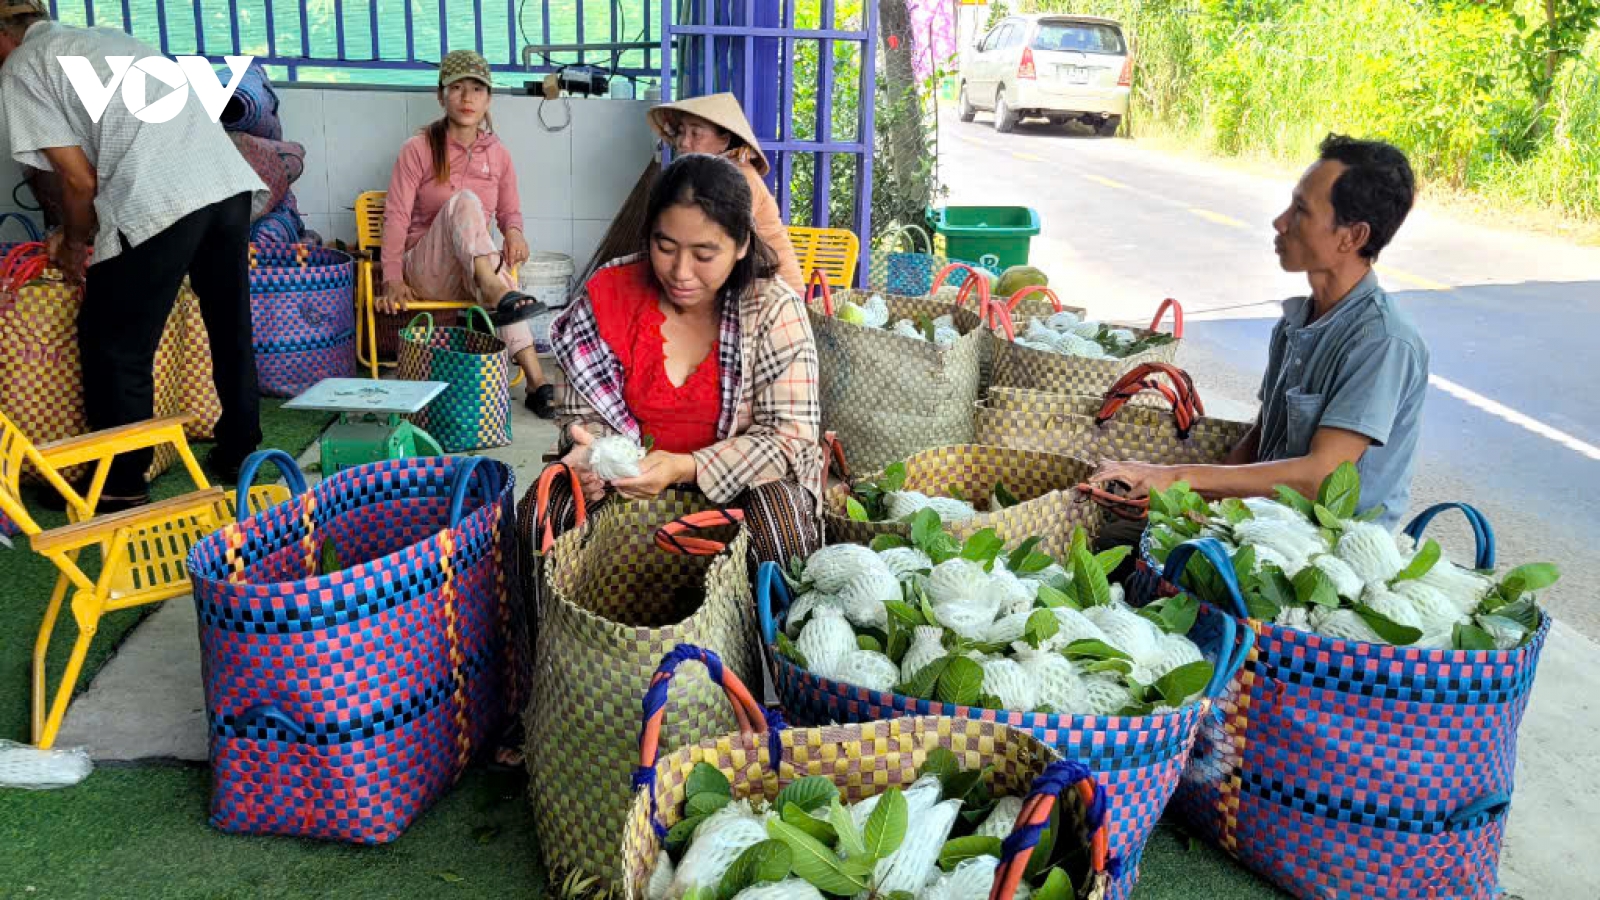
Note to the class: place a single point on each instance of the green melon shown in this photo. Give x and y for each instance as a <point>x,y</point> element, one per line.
<point>1018,277</point>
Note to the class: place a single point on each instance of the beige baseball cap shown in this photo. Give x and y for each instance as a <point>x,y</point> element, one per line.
<point>459,64</point>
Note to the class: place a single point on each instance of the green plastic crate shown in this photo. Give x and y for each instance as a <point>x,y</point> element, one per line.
<point>996,236</point>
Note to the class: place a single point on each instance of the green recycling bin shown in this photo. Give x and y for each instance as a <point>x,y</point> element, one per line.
<point>995,236</point>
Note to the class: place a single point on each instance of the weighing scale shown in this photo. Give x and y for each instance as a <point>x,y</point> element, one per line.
<point>369,426</point>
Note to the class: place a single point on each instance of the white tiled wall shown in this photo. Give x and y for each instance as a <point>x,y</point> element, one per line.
<point>572,180</point>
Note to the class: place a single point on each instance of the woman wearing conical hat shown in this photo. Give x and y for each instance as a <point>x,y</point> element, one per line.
<point>715,124</point>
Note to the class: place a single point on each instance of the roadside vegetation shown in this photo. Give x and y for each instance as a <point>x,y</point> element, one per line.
<point>1492,99</point>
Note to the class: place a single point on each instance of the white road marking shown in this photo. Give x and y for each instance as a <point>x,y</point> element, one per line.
<point>1507,414</point>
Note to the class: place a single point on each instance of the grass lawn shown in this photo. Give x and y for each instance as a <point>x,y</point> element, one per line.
<point>140,832</point>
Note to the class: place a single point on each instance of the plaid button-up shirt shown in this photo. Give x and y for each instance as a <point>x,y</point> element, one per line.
<point>150,174</point>
<point>771,420</point>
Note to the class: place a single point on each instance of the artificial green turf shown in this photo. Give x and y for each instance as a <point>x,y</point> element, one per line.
<point>29,578</point>
<point>141,832</point>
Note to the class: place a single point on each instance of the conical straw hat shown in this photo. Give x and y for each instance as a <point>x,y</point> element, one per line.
<point>719,109</point>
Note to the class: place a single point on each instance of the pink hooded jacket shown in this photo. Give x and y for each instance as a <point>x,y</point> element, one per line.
<point>415,197</point>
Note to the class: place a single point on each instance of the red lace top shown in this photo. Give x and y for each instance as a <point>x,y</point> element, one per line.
<point>681,419</point>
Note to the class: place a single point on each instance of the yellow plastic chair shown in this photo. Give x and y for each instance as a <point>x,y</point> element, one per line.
<point>369,243</point>
<point>833,251</point>
<point>143,551</point>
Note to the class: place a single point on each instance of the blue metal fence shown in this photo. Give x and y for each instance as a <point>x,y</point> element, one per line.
<point>729,45</point>
<point>385,41</point>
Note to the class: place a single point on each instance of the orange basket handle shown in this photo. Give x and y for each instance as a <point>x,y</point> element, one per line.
<point>1001,316</point>
<point>543,528</point>
<point>819,280</point>
<point>1122,507</point>
<point>835,451</point>
<point>1181,395</point>
<point>677,536</point>
<point>1177,317</point>
<point>752,718</point>
<point>1028,291</point>
<point>1018,848</point>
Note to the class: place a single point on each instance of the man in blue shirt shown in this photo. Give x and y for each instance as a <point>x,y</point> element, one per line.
<point>1346,371</point>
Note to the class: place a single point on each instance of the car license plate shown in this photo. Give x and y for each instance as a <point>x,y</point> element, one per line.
<point>1073,74</point>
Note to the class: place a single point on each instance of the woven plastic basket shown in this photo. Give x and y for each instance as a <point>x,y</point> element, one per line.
<point>1346,769</point>
<point>863,760</point>
<point>475,410</point>
<point>888,396</point>
<point>614,602</point>
<point>1137,759</point>
<point>302,316</point>
<point>1024,367</point>
<point>342,704</point>
<point>1046,484</point>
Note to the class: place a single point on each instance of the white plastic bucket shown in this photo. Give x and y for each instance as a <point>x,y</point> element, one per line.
<point>547,277</point>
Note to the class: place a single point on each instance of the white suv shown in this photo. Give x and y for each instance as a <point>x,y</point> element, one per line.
<point>1050,66</point>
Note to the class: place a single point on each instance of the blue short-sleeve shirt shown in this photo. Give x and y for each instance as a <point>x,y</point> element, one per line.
<point>1363,368</point>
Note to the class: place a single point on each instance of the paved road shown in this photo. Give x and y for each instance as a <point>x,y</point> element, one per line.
<point>1512,320</point>
<point>1512,424</point>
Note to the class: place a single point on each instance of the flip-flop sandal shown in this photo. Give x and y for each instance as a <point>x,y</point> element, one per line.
<point>515,306</point>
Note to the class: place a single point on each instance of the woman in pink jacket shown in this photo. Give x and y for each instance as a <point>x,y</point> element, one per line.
<point>450,181</point>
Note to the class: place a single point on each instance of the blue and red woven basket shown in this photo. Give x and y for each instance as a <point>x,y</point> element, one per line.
<point>1138,759</point>
<point>1346,769</point>
<point>302,316</point>
<point>341,705</point>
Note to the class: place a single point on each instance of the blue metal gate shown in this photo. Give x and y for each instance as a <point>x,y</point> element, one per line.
<point>732,45</point>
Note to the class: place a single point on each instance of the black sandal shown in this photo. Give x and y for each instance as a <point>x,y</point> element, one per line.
<point>514,307</point>
<point>541,401</point>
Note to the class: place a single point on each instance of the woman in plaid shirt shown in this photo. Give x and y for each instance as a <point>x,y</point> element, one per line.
<point>698,347</point>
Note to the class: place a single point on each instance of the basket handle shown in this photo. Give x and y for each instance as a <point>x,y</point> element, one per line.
<point>541,504</point>
<point>1180,394</point>
<point>752,718</point>
<point>771,590</point>
<point>1028,291</point>
<point>819,280</point>
<point>22,264</point>
<point>1017,849</point>
<point>268,714</point>
<point>480,314</point>
<point>1130,508</point>
<point>972,275</point>
<point>418,318</point>
<point>25,222</point>
<point>904,233</point>
<point>677,536</point>
<point>1229,656</point>
<point>461,481</point>
<point>1482,533</point>
<point>1177,317</point>
<point>286,467</point>
<point>835,452</point>
<point>1488,806</point>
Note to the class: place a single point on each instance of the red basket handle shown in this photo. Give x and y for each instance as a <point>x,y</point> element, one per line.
<point>543,528</point>
<point>820,280</point>
<point>999,315</point>
<point>1177,317</point>
<point>835,451</point>
<point>1031,289</point>
<point>22,264</point>
<point>1180,393</point>
<point>677,536</point>
<point>1134,510</point>
<point>752,718</point>
<point>1017,848</point>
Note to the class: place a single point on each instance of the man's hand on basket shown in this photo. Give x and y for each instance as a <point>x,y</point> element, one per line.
<point>658,471</point>
<point>577,459</point>
<point>1141,478</point>
<point>67,255</point>
<point>396,297</point>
